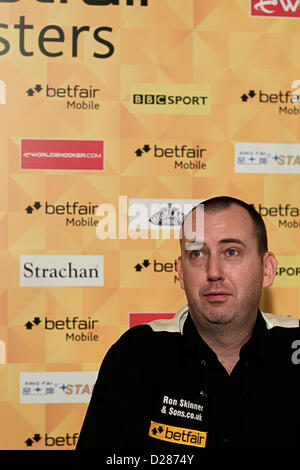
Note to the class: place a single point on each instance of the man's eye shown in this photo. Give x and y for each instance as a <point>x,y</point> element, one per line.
<point>232,252</point>
<point>196,254</point>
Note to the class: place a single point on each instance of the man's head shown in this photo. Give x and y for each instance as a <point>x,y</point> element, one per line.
<point>223,280</point>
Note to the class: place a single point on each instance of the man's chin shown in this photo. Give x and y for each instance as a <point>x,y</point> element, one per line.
<point>219,316</point>
<point>219,321</point>
<point>212,315</point>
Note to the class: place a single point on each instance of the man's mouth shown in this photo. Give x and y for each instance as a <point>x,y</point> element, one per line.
<point>217,296</point>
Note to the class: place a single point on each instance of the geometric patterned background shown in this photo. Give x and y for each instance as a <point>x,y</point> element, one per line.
<point>243,64</point>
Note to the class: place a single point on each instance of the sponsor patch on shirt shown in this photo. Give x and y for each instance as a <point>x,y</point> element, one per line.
<point>182,406</point>
<point>189,437</point>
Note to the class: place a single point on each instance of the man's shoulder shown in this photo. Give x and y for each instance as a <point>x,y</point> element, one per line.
<point>280,321</point>
<point>154,334</point>
<point>281,342</point>
<point>281,330</point>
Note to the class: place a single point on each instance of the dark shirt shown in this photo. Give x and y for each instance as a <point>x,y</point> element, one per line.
<point>162,389</point>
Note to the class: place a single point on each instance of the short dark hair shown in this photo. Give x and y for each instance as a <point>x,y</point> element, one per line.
<point>220,203</point>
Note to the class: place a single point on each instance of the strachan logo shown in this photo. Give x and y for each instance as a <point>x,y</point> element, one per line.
<point>275,8</point>
<point>61,270</point>
<point>189,437</point>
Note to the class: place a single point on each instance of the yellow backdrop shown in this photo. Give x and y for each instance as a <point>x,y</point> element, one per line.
<point>158,101</point>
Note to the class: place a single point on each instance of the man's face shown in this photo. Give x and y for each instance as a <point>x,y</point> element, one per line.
<point>223,280</point>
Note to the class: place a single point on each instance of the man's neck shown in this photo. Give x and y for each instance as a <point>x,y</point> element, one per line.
<point>226,342</point>
<point>227,353</point>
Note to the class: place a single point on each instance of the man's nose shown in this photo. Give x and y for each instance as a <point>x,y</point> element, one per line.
<point>214,268</point>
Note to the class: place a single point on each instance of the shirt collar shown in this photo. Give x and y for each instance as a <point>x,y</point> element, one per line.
<point>256,346</point>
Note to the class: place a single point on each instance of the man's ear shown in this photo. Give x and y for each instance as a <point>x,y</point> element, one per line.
<point>180,273</point>
<point>270,264</point>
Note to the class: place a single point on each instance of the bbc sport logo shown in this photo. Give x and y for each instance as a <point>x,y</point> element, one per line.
<point>254,157</point>
<point>176,99</point>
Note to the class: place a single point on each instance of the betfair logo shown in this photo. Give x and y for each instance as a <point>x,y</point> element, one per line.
<point>189,437</point>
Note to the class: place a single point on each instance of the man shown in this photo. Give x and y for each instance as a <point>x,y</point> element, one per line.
<point>220,374</point>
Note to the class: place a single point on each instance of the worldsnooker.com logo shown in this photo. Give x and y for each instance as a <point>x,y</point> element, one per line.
<point>58,154</point>
<point>275,8</point>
